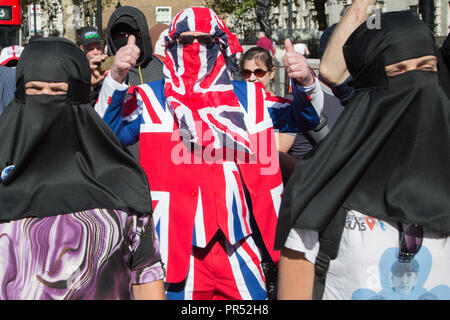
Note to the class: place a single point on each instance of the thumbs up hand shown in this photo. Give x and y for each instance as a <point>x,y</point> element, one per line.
<point>125,59</point>
<point>296,65</point>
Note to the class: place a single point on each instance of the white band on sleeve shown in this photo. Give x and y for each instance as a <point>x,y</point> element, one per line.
<point>304,241</point>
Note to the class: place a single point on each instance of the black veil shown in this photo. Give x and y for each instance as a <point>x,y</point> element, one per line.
<point>388,154</point>
<point>56,154</point>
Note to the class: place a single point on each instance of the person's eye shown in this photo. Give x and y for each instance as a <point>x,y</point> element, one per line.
<point>394,72</point>
<point>33,89</point>
<point>428,67</point>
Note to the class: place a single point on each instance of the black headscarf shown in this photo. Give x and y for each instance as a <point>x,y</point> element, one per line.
<point>388,155</point>
<point>56,154</point>
<point>130,19</point>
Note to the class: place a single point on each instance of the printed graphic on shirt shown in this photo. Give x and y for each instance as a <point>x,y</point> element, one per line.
<point>362,222</point>
<point>404,281</point>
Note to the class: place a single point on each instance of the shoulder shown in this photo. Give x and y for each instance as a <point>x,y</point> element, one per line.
<point>7,73</point>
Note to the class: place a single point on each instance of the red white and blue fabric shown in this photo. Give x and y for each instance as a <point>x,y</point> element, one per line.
<point>237,266</point>
<point>198,190</point>
<point>193,198</point>
<point>198,83</point>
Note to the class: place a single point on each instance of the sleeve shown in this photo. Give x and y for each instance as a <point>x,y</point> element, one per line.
<point>124,117</point>
<point>304,241</point>
<point>343,91</point>
<point>146,265</point>
<point>302,114</point>
<point>7,87</point>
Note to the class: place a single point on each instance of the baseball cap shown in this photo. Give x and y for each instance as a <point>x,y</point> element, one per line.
<point>10,55</point>
<point>90,35</point>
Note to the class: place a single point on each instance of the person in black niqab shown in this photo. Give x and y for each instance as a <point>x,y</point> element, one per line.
<point>387,156</point>
<point>66,178</point>
<point>60,143</point>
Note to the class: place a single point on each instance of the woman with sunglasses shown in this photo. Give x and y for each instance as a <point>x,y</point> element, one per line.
<point>256,65</point>
<point>207,146</point>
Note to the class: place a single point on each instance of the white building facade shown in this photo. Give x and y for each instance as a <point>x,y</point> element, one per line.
<point>304,16</point>
<point>335,8</point>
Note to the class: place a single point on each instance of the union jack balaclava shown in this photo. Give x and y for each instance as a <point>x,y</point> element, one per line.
<point>198,81</point>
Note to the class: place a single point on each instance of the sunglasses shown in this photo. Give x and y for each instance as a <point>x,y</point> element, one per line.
<point>259,73</point>
<point>410,241</point>
<point>204,39</point>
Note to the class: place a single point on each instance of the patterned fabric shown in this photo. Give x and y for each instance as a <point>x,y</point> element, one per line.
<point>367,266</point>
<point>215,189</point>
<point>196,193</point>
<point>7,86</point>
<point>184,182</point>
<point>237,266</point>
<point>198,81</point>
<point>93,254</point>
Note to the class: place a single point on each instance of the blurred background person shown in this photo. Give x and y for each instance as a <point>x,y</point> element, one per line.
<point>302,48</point>
<point>9,56</point>
<point>266,43</point>
<point>91,42</point>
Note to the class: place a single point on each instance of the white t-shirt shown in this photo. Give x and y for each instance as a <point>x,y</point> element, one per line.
<point>300,47</point>
<point>368,255</point>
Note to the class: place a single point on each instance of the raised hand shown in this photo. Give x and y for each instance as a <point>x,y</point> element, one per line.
<point>296,65</point>
<point>125,59</point>
<point>96,74</point>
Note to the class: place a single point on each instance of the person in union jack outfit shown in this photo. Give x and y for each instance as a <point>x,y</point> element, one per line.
<point>207,146</point>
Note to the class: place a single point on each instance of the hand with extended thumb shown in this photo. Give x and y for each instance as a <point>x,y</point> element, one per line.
<point>296,65</point>
<point>288,45</point>
<point>125,59</point>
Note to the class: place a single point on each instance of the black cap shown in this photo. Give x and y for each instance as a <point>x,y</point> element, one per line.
<point>90,35</point>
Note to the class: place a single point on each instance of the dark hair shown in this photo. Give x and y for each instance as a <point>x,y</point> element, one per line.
<point>259,54</point>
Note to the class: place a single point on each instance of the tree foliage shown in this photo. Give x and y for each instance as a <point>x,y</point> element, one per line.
<point>242,12</point>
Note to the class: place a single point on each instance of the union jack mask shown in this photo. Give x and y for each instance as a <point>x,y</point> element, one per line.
<point>198,81</point>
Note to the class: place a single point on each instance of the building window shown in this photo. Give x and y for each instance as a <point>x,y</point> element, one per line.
<point>163,14</point>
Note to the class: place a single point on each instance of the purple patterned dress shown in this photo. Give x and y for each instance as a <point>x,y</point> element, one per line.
<point>92,254</point>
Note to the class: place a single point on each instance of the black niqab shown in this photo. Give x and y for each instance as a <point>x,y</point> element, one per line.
<point>131,19</point>
<point>388,154</point>
<point>64,158</point>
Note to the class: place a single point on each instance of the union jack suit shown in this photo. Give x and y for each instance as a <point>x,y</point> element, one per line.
<point>196,191</point>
